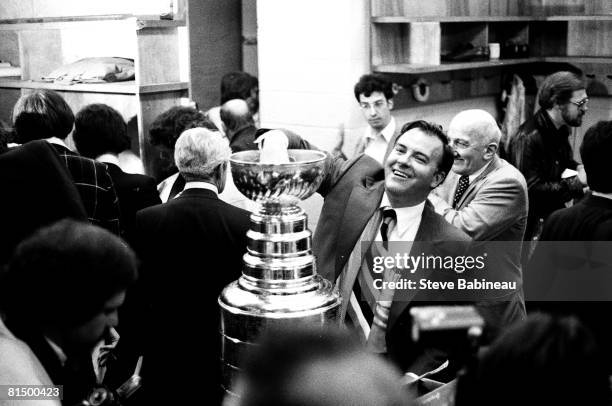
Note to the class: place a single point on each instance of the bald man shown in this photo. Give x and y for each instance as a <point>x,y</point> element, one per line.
<point>238,125</point>
<point>485,196</point>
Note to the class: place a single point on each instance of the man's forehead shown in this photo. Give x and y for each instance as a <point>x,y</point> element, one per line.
<point>374,96</point>
<point>420,141</point>
<point>579,94</point>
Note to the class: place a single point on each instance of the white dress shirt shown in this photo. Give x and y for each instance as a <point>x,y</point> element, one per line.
<point>376,143</point>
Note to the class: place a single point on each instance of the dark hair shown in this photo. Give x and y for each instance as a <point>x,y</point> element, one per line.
<point>237,85</point>
<point>595,153</point>
<point>435,130</point>
<point>281,362</point>
<point>100,129</point>
<point>41,114</point>
<point>64,273</point>
<point>544,360</point>
<point>168,126</point>
<point>373,83</point>
<point>558,88</point>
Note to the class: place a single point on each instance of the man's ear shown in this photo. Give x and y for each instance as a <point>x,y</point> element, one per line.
<point>438,178</point>
<point>490,151</point>
<point>390,104</point>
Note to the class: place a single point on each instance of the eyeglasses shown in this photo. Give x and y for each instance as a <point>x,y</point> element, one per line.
<point>378,104</point>
<point>459,144</point>
<point>580,103</point>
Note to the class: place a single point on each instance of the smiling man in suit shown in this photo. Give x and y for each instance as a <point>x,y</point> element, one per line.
<point>360,197</point>
<point>484,195</point>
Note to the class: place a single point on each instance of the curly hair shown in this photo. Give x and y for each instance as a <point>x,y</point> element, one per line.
<point>373,83</point>
<point>168,126</point>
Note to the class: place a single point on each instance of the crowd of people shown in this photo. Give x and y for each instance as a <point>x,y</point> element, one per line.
<point>86,244</point>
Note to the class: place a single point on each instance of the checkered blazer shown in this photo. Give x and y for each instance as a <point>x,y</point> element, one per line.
<point>96,188</point>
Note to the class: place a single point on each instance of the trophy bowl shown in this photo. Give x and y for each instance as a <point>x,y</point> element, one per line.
<point>281,185</point>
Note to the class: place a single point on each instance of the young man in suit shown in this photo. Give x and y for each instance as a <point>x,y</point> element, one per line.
<point>101,134</point>
<point>191,247</point>
<point>374,93</point>
<point>485,196</point>
<point>61,296</point>
<point>44,115</point>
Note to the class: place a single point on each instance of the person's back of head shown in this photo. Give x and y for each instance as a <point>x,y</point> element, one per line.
<point>557,89</point>
<point>202,155</point>
<point>41,114</point>
<point>169,125</point>
<point>594,151</point>
<point>545,360</point>
<point>235,114</point>
<point>370,83</point>
<point>63,275</point>
<point>100,129</point>
<point>317,367</point>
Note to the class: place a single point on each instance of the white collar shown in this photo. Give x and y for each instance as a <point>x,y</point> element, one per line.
<point>201,185</point>
<point>479,172</point>
<point>604,195</point>
<point>405,216</point>
<point>57,141</point>
<point>57,350</point>
<point>109,159</point>
<point>387,132</point>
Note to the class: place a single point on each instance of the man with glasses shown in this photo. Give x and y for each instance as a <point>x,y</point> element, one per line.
<point>485,197</point>
<point>375,96</point>
<point>542,152</point>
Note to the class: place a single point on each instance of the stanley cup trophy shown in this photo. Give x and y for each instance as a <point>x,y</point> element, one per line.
<point>279,285</point>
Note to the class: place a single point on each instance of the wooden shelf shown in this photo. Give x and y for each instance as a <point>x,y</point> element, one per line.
<point>578,59</point>
<point>450,66</point>
<point>453,19</point>
<point>485,19</point>
<point>128,87</point>
<point>139,22</point>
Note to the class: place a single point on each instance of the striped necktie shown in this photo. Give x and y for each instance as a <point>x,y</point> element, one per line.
<point>376,341</point>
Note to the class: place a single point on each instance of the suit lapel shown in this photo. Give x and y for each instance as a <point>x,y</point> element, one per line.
<point>363,201</point>
<point>472,187</point>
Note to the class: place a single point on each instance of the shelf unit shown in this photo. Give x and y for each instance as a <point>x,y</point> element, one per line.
<point>40,45</point>
<point>555,37</point>
<point>409,38</point>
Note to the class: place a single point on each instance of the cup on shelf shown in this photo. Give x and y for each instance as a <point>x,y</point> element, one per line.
<point>494,50</point>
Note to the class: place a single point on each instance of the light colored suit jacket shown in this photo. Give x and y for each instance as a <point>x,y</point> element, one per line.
<point>494,206</point>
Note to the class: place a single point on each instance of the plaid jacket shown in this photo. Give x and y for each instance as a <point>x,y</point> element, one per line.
<point>95,187</point>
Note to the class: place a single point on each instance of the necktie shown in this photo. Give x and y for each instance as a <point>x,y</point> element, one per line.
<point>389,217</point>
<point>464,182</point>
<point>376,340</point>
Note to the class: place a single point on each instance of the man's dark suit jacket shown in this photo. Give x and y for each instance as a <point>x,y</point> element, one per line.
<point>95,187</point>
<point>191,247</point>
<point>353,191</point>
<point>588,220</point>
<point>243,139</point>
<point>135,192</point>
